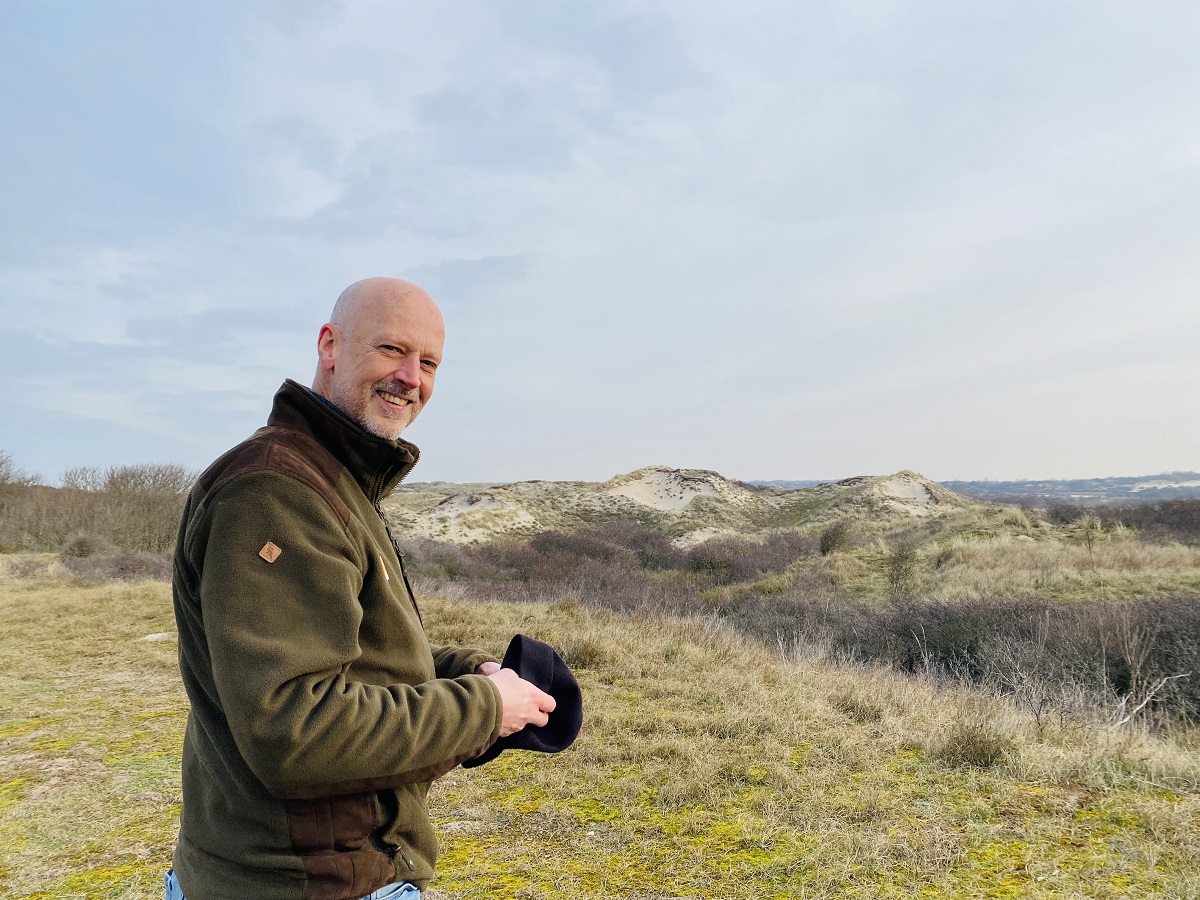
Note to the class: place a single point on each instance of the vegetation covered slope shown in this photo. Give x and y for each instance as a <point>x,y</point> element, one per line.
<point>709,767</point>
<point>689,505</point>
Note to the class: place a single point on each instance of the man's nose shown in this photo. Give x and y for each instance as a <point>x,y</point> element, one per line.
<point>408,371</point>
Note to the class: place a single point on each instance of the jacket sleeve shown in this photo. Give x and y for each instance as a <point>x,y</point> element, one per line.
<point>450,662</point>
<point>282,635</point>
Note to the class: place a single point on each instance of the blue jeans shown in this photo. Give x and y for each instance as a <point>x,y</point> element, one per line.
<point>397,890</point>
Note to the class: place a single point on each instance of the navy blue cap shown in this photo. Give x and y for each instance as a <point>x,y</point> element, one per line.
<point>540,664</point>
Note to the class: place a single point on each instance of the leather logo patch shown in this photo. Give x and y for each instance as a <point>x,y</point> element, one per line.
<point>269,552</point>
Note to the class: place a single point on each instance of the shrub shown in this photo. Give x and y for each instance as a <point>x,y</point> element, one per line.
<point>136,509</point>
<point>834,538</point>
<point>1064,513</point>
<point>435,560</point>
<point>1177,520</point>
<point>149,478</point>
<point>653,548</point>
<point>11,473</point>
<point>973,744</point>
<point>716,558</point>
<point>902,570</point>
<point>122,567</point>
<point>862,711</point>
<point>83,478</point>
<point>80,545</point>
<point>585,654</point>
<point>27,567</point>
<point>590,544</point>
<point>1054,659</point>
<point>735,560</point>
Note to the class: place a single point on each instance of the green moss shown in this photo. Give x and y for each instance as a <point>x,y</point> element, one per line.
<point>51,744</point>
<point>12,792</point>
<point>27,726</point>
<point>589,812</point>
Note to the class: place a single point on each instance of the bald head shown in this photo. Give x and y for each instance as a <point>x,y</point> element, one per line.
<point>371,295</point>
<point>378,353</point>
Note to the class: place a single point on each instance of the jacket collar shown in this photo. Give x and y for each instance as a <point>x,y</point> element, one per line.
<point>377,464</point>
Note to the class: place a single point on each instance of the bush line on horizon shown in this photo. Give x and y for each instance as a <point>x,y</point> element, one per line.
<point>1100,619</point>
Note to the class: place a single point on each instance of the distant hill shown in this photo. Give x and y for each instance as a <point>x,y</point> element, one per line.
<point>690,505</point>
<point>793,484</point>
<point>1167,486</point>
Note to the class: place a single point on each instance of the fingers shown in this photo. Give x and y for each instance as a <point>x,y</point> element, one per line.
<point>524,703</point>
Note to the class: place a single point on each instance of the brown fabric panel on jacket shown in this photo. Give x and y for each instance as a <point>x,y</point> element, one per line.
<point>308,825</point>
<point>332,837</point>
<point>271,450</point>
<point>346,876</point>
<point>353,819</point>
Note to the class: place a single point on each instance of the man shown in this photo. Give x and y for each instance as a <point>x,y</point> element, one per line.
<point>319,712</point>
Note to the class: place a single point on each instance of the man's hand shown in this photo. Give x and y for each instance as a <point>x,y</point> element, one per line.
<point>487,668</point>
<point>524,703</point>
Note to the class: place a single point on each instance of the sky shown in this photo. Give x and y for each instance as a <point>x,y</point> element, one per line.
<point>780,240</point>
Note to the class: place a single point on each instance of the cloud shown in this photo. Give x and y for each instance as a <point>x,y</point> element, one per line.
<point>661,232</point>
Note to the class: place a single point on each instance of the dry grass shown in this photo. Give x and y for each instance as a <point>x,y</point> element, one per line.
<point>91,725</point>
<point>708,768</point>
<point>1051,564</point>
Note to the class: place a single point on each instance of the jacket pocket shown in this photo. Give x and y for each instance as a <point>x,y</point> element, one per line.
<point>332,836</point>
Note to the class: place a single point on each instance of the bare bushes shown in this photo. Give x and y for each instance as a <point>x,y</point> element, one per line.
<point>121,567</point>
<point>835,537</point>
<point>12,474</point>
<point>149,478</point>
<point>1135,660</point>
<point>81,545</point>
<point>141,566</point>
<point>976,744</point>
<point>129,508</point>
<point>1169,520</point>
<point>731,560</point>
<point>618,565</point>
<point>902,570</point>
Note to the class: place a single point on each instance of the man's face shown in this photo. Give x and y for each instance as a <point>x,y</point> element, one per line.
<point>381,366</point>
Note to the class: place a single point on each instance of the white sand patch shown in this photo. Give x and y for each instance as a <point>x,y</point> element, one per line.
<point>907,494</point>
<point>1160,485</point>
<point>471,517</point>
<point>660,488</point>
<point>901,488</point>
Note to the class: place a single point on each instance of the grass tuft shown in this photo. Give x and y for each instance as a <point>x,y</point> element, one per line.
<point>975,744</point>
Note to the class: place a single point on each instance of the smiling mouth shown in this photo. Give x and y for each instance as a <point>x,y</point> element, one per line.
<point>393,399</point>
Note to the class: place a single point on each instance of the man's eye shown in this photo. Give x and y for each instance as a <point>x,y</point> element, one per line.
<point>429,364</point>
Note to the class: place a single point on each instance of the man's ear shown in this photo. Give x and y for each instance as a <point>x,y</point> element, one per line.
<point>327,345</point>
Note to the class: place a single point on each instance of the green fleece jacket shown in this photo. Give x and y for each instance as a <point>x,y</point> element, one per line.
<point>319,712</point>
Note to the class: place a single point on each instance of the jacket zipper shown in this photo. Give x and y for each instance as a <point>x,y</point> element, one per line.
<point>412,597</point>
<point>393,850</point>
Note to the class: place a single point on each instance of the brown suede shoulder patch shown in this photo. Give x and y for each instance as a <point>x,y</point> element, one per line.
<point>284,451</point>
